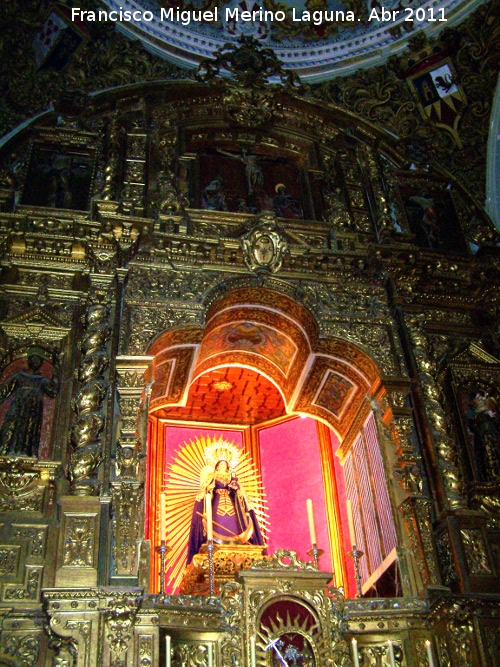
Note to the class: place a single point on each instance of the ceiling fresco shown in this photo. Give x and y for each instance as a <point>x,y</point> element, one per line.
<point>317,38</point>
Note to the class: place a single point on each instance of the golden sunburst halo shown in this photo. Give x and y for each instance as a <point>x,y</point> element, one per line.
<point>182,484</point>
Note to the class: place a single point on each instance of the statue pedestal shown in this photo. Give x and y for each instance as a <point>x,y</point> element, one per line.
<point>228,560</point>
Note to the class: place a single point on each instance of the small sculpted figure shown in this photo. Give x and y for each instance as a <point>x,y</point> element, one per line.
<point>20,431</point>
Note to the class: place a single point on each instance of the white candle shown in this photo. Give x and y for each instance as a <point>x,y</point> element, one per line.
<point>310,519</point>
<point>208,512</point>
<point>253,661</point>
<point>210,658</point>
<point>428,648</point>
<point>355,652</point>
<point>163,517</point>
<point>350,521</point>
<point>168,649</point>
<point>391,653</point>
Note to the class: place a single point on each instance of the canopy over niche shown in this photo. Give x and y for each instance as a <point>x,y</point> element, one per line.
<point>258,342</point>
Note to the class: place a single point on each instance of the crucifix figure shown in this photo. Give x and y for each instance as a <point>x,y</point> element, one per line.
<point>253,172</point>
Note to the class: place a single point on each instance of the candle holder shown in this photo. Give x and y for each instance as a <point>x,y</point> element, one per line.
<point>163,549</point>
<point>211,576</point>
<point>355,554</point>
<point>315,554</point>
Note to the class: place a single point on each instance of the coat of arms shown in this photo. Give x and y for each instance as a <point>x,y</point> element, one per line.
<point>440,97</point>
<point>263,246</point>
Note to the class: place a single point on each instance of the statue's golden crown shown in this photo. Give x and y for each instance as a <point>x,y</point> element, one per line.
<point>222,450</point>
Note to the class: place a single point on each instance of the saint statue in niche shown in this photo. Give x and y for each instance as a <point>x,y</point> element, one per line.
<point>234,520</point>
<point>214,198</point>
<point>20,431</point>
<point>483,422</point>
<point>284,205</point>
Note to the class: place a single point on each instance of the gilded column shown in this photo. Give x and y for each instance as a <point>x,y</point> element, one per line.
<point>88,404</point>
<point>80,510</point>
<point>445,449</point>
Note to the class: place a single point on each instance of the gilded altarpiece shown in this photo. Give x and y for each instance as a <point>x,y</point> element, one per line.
<point>124,286</point>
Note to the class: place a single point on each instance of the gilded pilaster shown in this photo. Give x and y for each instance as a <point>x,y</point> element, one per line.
<point>415,508</point>
<point>417,513</point>
<point>127,490</point>
<point>114,155</point>
<point>445,448</point>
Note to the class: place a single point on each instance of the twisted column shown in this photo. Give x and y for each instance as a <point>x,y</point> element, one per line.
<point>88,404</point>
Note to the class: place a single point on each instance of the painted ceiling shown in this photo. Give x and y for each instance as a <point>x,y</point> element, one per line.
<point>316,49</point>
<point>230,395</point>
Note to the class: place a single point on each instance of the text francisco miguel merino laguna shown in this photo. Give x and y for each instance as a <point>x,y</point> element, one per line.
<point>187,16</point>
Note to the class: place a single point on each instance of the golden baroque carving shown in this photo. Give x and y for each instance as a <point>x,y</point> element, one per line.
<point>445,558</point>
<point>375,339</point>
<point>231,599</point>
<point>9,557</point>
<point>22,648</point>
<point>35,535</point>
<point>28,590</point>
<point>90,420</point>
<point>417,517</point>
<point>127,515</point>
<point>283,559</point>
<point>339,627</point>
<point>476,553</point>
<point>264,245</point>
<point>119,619</point>
<point>145,324</point>
<point>146,648</point>
<point>248,96</point>
<point>382,96</point>
<point>20,485</point>
<point>460,633</point>
<point>446,449</point>
<point>79,541</point>
<point>127,459</point>
<point>190,653</point>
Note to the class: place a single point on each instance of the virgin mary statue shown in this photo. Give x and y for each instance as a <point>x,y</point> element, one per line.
<point>215,468</point>
<point>234,520</point>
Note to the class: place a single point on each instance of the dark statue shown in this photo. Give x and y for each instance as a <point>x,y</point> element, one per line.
<point>20,431</point>
<point>483,422</point>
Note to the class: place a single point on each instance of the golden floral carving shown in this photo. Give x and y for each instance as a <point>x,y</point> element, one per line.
<point>79,541</point>
<point>476,553</point>
<point>119,618</point>
<point>23,648</point>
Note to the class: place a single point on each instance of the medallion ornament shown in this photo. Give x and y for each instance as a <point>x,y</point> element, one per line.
<point>264,246</point>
